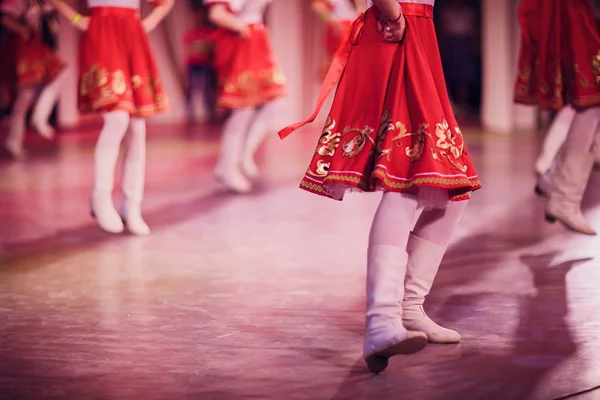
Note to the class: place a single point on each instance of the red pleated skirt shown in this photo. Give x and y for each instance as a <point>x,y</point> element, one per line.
<point>333,40</point>
<point>391,126</point>
<point>559,59</point>
<point>246,68</point>
<point>117,67</point>
<point>37,64</point>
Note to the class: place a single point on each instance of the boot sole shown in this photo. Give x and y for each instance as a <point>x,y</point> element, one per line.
<point>378,362</point>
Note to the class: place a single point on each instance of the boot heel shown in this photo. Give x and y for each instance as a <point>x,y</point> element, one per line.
<point>550,218</point>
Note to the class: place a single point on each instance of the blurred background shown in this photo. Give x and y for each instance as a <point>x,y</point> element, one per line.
<point>479,42</point>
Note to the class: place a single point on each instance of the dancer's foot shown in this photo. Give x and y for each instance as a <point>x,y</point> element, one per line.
<point>16,152</point>
<point>136,225</point>
<point>44,129</point>
<point>103,210</point>
<point>250,168</point>
<point>234,180</point>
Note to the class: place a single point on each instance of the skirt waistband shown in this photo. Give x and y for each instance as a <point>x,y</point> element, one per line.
<point>120,12</point>
<point>410,9</point>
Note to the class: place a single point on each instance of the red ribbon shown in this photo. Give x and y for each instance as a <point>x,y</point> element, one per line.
<point>333,75</point>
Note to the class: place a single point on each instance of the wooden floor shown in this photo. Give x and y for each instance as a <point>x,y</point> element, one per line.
<point>262,296</point>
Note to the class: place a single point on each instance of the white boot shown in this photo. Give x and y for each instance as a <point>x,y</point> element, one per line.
<point>133,180</point>
<point>543,186</point>
<point>570,178</point>
<point>105,160</point>
<point>229,169</point>
<point>424,259</point>
<point>555,137</point>
<point>103,209</point>
<point>43,108</point>
<point>385,334</point>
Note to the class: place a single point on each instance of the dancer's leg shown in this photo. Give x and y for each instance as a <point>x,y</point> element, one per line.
<point>134,177</point>
<point>44,105</point>
<point>228,168</point>
<point>16,135</point>
<point>571,172</point>
<point>555,137</point>
<point>386,268</point>
<point>426,248</point>
<point>105,160</point>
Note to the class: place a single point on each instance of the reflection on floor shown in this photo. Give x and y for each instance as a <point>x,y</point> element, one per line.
<point>261,296</point>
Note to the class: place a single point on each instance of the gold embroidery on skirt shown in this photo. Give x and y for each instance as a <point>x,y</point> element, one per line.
<point>119,86</point>
<point>321,170</point>
<point>583,80</point>
<point>596,66</point>
<point>136,81</point>
<point>354,146</point>
<point>251,82</point>
<point>329,140</point>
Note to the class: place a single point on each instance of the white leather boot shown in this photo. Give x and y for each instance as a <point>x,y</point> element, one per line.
<point>385,334</point>
<point>103,209</point>
<point>570,178</point>
<point>134,176</point>
<point>424,259</point>
<point>555,137</point>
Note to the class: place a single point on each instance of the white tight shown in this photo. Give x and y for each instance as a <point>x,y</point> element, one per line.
<point>243,134</point>
<point>394,218</point>
<point>106,154</point>
<point>583,130</point>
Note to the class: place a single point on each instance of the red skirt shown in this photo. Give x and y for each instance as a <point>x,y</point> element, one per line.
<point>559,60</point>
<point>247,72</point>
<point>334,38</point>
<point>117,68</point>
<point>37,64</point>
<point>391,125</point>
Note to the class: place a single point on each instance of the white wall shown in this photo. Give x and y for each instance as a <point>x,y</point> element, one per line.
<point>500,46</point>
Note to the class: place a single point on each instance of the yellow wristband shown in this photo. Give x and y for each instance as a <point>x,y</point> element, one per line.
<point>76,18</point>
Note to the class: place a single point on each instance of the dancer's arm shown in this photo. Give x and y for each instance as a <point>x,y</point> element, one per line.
<point>220,15</point>
<point>394,28</point>
<point>13,25</point>
<point>157,14</point>
<point>79,21</point>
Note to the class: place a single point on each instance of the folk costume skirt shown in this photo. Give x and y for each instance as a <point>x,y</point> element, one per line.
<point>559,59</point>
<point>37,64</point>
<point>391,125</point>
<point>117,67</point>
<point>247,72</point>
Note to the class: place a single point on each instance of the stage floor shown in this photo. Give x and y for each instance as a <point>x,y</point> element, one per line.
<point>262,296</point>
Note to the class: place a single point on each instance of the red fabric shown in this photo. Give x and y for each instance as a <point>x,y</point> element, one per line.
<point>199,45</point>
<point>559,59</point>
<point>391,124</point>
<point>247,72</point>
<point>117,68</point>
<point>36,63</point>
